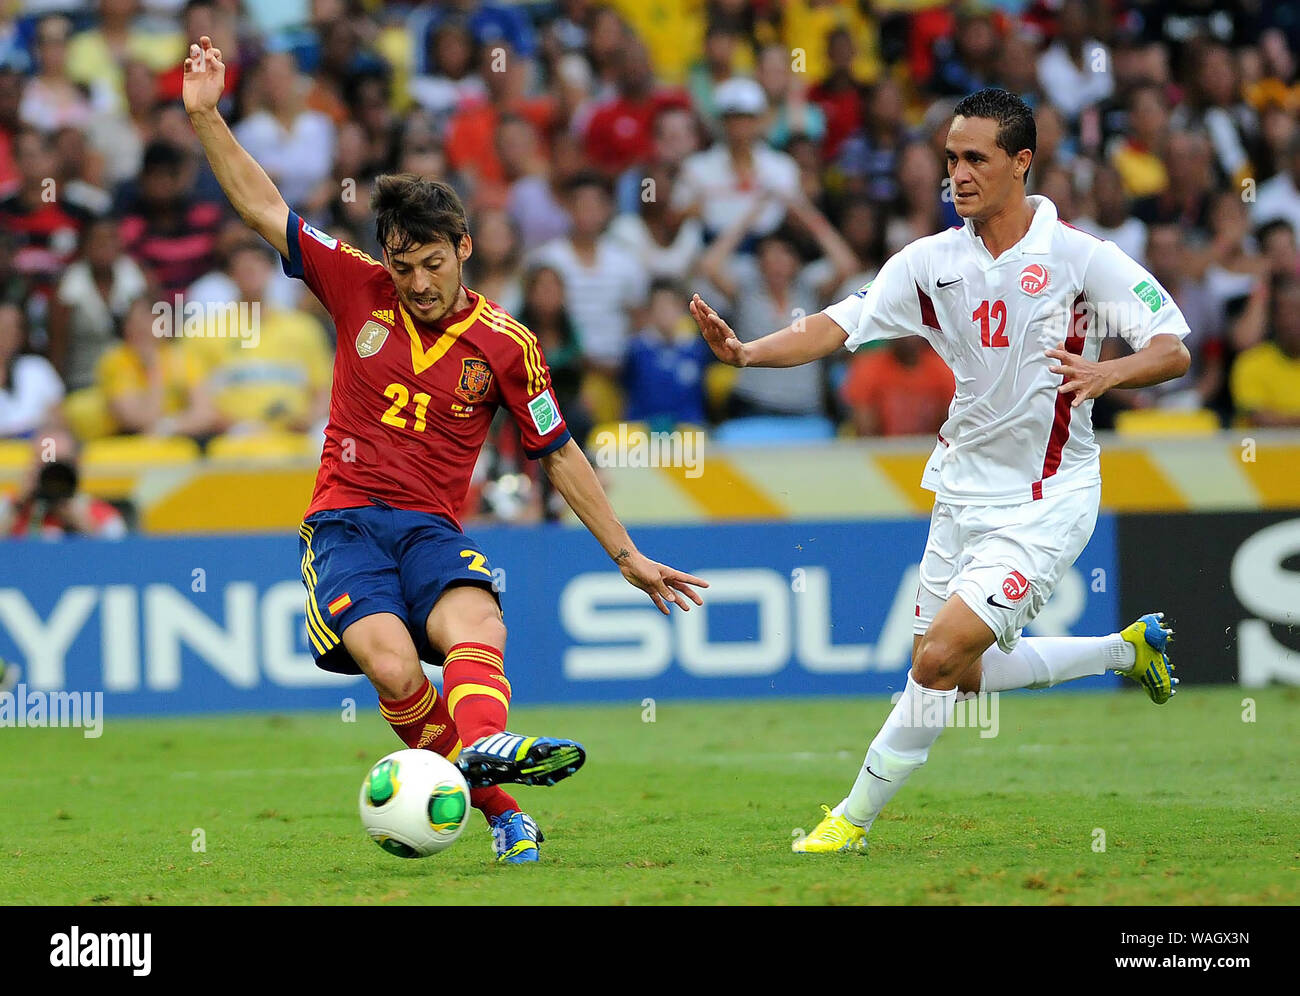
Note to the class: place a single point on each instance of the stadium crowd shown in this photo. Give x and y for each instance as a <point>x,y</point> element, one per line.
<point>614,158</point>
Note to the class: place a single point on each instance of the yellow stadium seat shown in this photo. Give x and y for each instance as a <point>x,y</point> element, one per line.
<point>603,396</point>
<point>1166,422</point>
<point>719,379</point>
<point>87,415</point>
<point>265,447</point>
<point>15,454</point>
<point>144,451</point>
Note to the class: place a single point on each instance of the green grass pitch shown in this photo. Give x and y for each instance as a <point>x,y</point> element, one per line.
<point>698,807</point>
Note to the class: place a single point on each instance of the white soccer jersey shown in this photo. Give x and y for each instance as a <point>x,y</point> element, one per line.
<point>1010,437</point>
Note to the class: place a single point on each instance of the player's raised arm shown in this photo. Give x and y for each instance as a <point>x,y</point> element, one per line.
<point>571,473</point>
<point>806,340</point>
<point>250,190</point>
<point>885,308</point>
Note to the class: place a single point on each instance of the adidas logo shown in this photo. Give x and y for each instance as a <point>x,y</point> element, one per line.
<point>431,732</point>
<point>384,315</point>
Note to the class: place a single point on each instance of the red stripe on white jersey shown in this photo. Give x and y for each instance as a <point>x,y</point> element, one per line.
<point>928,317</point>
<point>1063,411</point>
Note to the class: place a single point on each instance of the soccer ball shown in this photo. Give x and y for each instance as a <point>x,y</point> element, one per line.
<point>414,803</point>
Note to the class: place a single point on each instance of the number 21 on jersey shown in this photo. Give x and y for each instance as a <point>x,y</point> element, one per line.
<point>993,324</point>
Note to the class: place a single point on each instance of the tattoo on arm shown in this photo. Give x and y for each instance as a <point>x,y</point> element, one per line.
<point>622,555</point>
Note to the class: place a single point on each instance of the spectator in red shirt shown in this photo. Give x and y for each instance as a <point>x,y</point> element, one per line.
<point>199,18</point>
<point>170,233</point>
<point>11,89</point>
<point>45,225</point>
<point>620,132</point>
<point>471,135</point>
<point>839,95</point>
<point>902,389</point>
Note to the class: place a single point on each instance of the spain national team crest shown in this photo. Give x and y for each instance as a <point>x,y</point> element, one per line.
<point>475,379</point>
<point>1034,279</point>
<point>370,339</point>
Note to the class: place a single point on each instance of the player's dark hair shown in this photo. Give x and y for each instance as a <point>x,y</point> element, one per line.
<point>1016,127</point>
<point>411,211</point>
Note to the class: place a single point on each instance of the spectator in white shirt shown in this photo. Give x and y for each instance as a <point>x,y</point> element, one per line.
<point>775,285</point>
<point>722,183</point>
<point>1279,197</point>
<point>1074,71</point>
<point>51,100</point>
<point>531,200</point>
<point>294,144</point>
<point>91,301</point>
<point>1110,216</point>
<point>1213,106</point>
<point>452,81</point>
<point>217,286</point>
<point>665,243</point>
<point>604,283</point>
<point>30,388</point>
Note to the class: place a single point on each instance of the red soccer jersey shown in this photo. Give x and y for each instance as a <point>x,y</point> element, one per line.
<point>412,403</point>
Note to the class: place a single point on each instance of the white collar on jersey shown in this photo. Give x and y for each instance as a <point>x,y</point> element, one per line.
<point>1038,240</point>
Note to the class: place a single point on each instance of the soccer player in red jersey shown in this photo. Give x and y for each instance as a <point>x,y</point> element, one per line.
<point>422,364</point>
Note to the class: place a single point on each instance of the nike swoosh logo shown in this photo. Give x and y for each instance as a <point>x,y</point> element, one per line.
<point>874,775</point>
<point>949,283</point>
<point>998,604</point>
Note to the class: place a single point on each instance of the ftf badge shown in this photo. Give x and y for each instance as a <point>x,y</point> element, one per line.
<point>1034,279</point>
<point>475,379</point>
<point>370,339</point>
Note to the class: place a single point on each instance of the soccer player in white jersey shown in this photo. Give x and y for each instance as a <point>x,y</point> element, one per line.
<point>1016,302</point>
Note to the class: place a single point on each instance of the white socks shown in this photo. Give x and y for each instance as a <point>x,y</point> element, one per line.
<point>1044,661</point>
<point>901,746</point>
<point>920,714</point>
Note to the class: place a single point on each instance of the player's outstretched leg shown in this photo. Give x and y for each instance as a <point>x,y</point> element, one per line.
<point>478,695</point>
<point>467,621</point>
<point>509,757</point>
<point>1150,638</point>
<point>1139,652</point>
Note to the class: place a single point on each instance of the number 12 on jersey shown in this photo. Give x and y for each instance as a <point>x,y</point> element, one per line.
<point>990,315</point>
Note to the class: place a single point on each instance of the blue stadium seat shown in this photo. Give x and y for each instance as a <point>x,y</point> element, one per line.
<point>774,429</point>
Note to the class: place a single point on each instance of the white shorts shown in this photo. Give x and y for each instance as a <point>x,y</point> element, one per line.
<point>1003,560</point>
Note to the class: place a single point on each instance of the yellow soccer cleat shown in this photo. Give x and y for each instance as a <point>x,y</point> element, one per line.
<point>833,835</point>
<point>1150,638</point>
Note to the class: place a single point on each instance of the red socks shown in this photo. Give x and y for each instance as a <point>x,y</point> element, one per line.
<point>423,721</point>
<point>413,720</point>
<point>478,694</point>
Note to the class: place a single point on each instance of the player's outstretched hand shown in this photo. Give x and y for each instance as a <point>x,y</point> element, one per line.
<point>717,333</point>
<point>1083,378</point>
<point>205,77</point>
<point>662,583</point>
